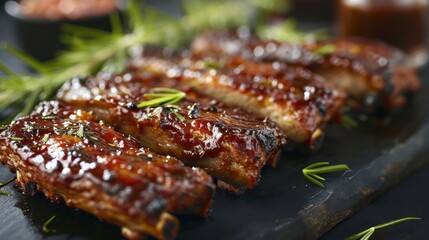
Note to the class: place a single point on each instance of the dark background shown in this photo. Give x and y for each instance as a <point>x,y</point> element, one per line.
<point>408,198</point>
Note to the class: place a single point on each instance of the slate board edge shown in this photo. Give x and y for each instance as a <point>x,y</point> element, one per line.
<point>362,187</point>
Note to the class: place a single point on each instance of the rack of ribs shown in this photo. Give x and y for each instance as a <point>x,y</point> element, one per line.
<point>373,74</point>
<point>229,144</point>
<point>300,102</point>
<point>69,155</point>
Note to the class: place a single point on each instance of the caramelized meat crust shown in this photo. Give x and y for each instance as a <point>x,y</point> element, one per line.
<point>71,156</point>
<point>300,102</point>
<point>229,144</point>
<point>373,74</point>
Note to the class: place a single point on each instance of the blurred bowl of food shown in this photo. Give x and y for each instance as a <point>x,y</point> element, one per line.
<point>38,23</point>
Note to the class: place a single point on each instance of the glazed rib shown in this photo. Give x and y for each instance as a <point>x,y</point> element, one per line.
<point>299,101</point>
<point>229,144</point>
<point>373,74</point>
<point>68,155</point>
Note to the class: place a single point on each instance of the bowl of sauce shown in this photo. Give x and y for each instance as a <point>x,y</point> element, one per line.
<point>401,23</point>
<point>38,23</point>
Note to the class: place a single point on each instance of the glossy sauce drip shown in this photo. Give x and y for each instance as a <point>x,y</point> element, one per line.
<point>230,144</point>
<point>205,136</point>
<point>275,82</point>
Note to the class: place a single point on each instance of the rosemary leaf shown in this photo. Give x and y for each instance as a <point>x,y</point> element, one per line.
<point>70,132</point>
<point>313,171</point>
<point>348,121</point>
<point>13,138</point>
<point>9,72</point>
<point>81,131</point>
<point>2,184</point>
<point>157,101</point>
<point>45,138</point>
<point>162,97</point>
<point>32,62</point>
<point>177,114</point>
<point>366,234</point>
<point>45,226</point>
<point>325,50</point>
<point>5,193</point>
<point>288,32</point>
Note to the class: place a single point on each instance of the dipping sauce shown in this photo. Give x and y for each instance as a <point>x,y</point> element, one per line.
<point>401,23</point>
<point>66,9</point>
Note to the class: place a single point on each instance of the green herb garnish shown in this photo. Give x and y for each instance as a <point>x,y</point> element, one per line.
<point>162,97</point>
<point>45,138</point>
<point>2,184</point>
<point>13,138</point>
<point>165,97</point>
<point>5,193</point>
<point>176,112</point>
<point>94,50</point>
<point>324,50</point>
<point>313,171</point>
<point>365,235</point>
<point>30,126</point>
<point>91,51</point>
<point>45,226</point>
<point>288,32</point>
<point>81,131</point>
<point>348,121</point>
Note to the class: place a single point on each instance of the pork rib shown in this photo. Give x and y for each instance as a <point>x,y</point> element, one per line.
<point>68,155</point>
<point>230,144</point>
<point>300,102</point>
<point>373,74</point>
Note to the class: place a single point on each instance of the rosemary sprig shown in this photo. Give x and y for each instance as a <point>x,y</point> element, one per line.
<point>45,226</point>
<point>348,121</point>
<point>313,171</point>
<point>5,193</point>
<point>162,97</point>
<point>165,97</point>
<point>2,184</point>
<point>366,234</point>
<point>288,32</point>
<point>94,50</point>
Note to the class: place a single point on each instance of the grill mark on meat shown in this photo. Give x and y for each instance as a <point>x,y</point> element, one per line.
<point>228,143</point>
<point>115,182</point>
<point>366,70</point>
<point>300,102</point>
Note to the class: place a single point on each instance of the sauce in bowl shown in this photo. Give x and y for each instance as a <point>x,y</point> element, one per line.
<point>401,23</point>
<point>66,9</point>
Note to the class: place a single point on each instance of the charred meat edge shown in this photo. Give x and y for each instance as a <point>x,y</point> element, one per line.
<point>136,200</point>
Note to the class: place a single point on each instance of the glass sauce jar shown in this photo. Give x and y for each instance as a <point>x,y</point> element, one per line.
<point>401,23</point>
